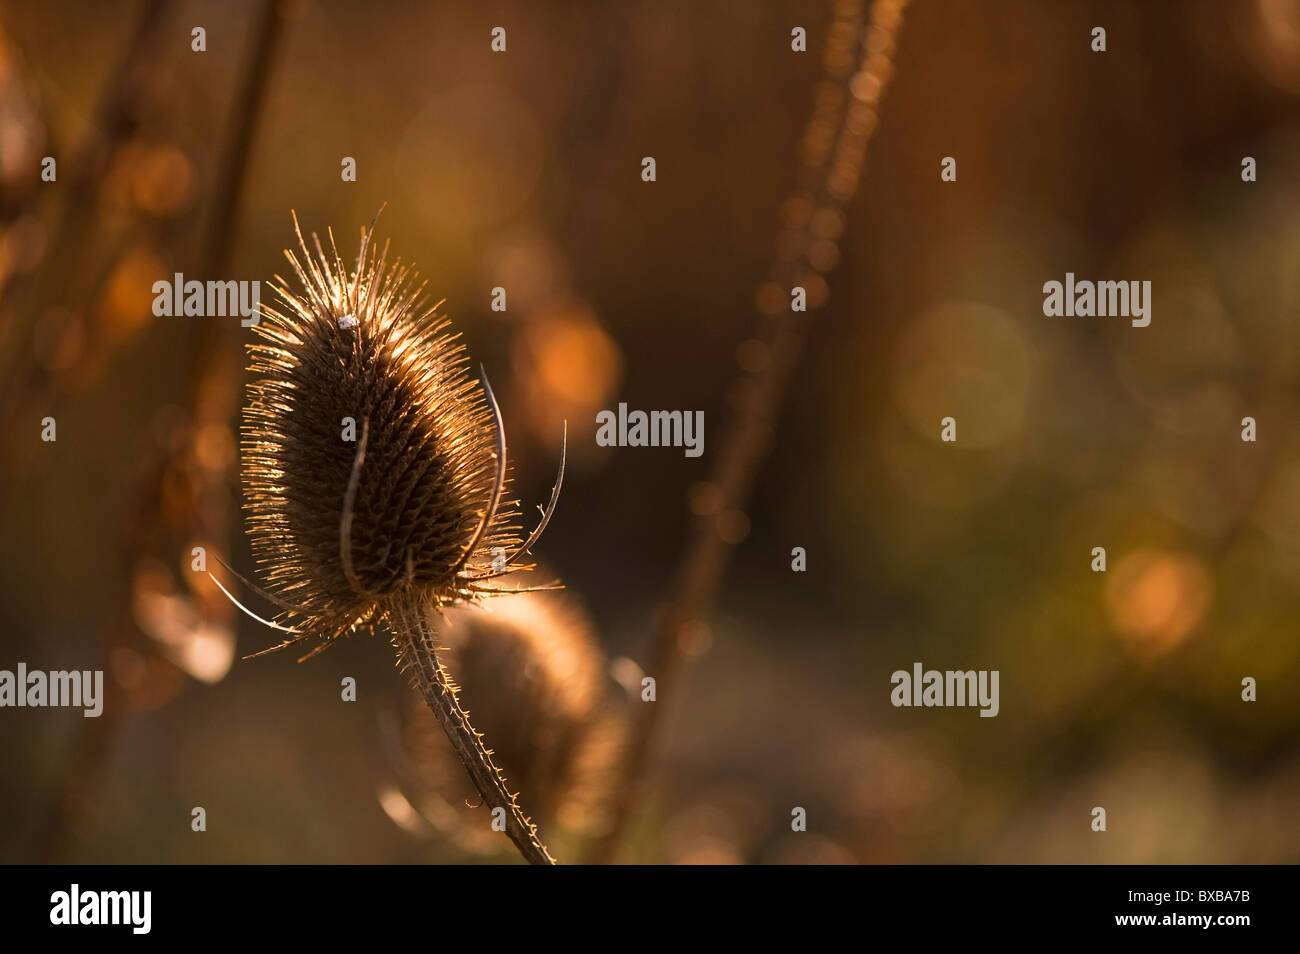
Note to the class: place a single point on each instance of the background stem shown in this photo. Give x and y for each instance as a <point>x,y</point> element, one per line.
<point>859,48</point>
<point>213,352</point>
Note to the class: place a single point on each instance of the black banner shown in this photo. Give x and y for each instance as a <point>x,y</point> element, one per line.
<point>134,904</point>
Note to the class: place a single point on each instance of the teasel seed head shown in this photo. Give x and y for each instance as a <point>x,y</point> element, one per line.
<point>533,674</point>
<point>373,463</point>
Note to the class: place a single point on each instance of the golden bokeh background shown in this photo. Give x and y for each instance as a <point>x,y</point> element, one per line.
<point>522,170</point>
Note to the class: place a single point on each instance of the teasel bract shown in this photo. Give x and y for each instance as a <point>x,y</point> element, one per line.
<point>374,471</point>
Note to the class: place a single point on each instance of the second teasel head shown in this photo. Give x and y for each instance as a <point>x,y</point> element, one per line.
<point>373,463</point>
<point>533,673</point>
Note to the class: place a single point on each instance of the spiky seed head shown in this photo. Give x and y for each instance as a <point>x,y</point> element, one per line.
<point>370,456</point>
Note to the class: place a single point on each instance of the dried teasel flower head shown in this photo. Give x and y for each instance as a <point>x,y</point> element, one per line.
<point>533,674</point>
<point>374,465</point>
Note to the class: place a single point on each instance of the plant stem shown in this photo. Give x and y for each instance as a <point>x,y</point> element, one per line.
<point>210,398</point>
<point>829,177</point>
<point>413,638</point>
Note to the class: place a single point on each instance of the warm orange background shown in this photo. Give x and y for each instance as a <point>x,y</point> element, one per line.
<point>522,170</point>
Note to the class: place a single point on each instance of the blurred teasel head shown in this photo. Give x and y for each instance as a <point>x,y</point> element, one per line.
<point>374,465</point>
<point>533,674</point>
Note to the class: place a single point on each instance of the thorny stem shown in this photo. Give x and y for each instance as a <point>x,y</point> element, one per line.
<point>414,640</point>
